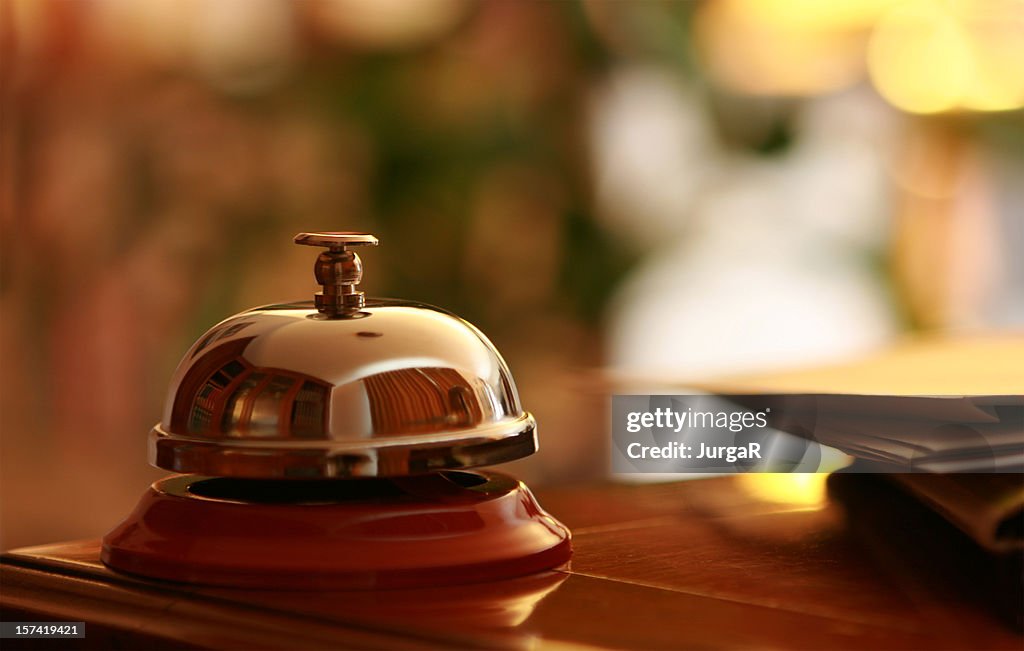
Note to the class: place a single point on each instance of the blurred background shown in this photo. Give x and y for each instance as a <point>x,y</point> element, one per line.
<point>659,188</point>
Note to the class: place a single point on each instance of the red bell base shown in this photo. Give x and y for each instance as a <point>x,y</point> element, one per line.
<point>437,529</point>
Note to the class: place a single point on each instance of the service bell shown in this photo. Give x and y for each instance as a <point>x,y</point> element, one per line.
<point>328,444</point>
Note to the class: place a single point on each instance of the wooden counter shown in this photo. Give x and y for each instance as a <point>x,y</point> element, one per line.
<point>732,562</point>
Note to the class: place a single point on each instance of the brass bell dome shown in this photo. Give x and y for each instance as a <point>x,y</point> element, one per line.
<point>342,386</point>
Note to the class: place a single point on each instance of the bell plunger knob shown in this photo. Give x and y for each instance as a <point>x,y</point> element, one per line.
<point>338,270</point>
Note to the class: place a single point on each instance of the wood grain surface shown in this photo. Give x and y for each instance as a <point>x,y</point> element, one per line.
<point>732,562</point>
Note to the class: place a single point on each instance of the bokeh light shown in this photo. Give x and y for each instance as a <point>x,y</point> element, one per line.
<point>796,490</point>
<point>929,56</point>
<point>769,47</point>
<point>923,56</point>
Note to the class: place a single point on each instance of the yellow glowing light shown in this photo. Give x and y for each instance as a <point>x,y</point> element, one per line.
<point>919,59</point>
<point>799,490</point>
<point>761,47</point>
<point>815,14</point>
<point>998,80</point>
<point>923,56</point>
<point>930,56</point>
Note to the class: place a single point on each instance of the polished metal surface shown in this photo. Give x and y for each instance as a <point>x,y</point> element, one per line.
<point>307,391</point>
<point>283,391</point>
<point>338,271</point>
<point>336,240</point>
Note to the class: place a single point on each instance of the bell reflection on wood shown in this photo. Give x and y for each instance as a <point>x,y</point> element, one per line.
<point>493,605</point>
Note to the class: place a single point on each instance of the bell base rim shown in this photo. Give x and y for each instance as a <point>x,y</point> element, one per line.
<point>434,533</point>
<point>321,459</point>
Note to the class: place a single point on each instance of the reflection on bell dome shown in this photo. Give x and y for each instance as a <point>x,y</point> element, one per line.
<point>224,395</point>
<point>392,389</point>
